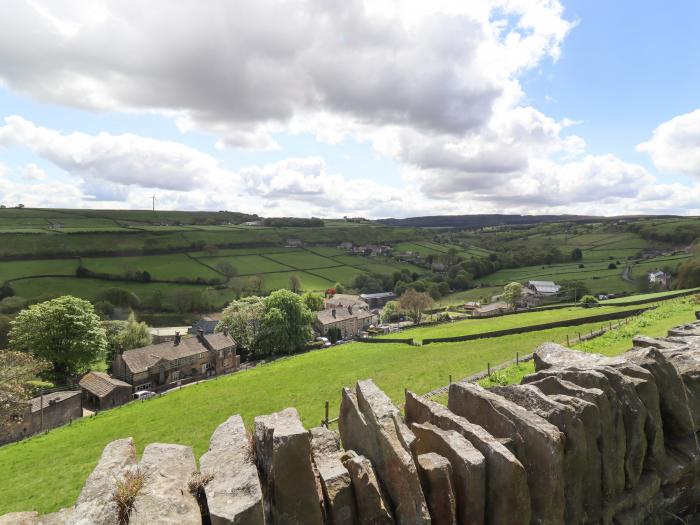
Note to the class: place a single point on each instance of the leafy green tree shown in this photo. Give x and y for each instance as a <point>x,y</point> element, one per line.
<point>339,288</point>
<point>433,290</point>
<point>512,293</point>
<point>242,320</point>
<point>414,304</point>
<point>119,297</point>
<point>576,254</point>
<point>126,335</point>
<point>391,308</point>
<point>65,332</point>
<point>17,369</point>
<point>4,330</point>
<point>688,274</point>
<point>573,290</point>
<point>333,334</point>
<point>588,300</point>
<point>286,324</point>
<point>313,301</point>
<point>295,284</point>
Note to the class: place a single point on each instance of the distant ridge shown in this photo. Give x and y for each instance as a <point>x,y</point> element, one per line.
<point>495,219</point>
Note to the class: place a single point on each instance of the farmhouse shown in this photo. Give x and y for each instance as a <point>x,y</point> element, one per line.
<point>377,300</point>
<point>351,321</point>
<point>44,413</point>
<point>342,300</point>
<point>660,279</point>
<point>155,367</point>
<point>543,288</point>
<point>101,391</point>
<point>372,250</point>
<point>489,310</point>
<point>294,242</point>
<point>345,245</point>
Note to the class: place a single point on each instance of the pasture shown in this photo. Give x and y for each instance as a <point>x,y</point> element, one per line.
<point>48,471</point>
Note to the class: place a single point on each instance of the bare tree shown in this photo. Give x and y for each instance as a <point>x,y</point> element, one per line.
<point>16,370</point>
<point>415,303</point>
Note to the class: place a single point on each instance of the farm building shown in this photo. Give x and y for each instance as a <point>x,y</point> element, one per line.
<point>543,288</point>
<point>156,367</point>
<point>293,242</point>
<point>44,413</point>
<point>377,300</point>
<point>660,279</point>
<point>489,310</point>
<point>351,321</point>
<point>167,333</point>
<point>206,325</point>
<point>342,300</point>
<point>100,391</point>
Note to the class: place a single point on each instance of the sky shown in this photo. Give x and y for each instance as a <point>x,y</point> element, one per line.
<point>332,108</point>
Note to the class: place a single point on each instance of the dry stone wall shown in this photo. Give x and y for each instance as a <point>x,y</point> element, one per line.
<point>586,439</point>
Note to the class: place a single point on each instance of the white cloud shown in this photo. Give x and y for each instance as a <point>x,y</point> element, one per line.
<point>245,69</point>
<point>33,172</point>
<point>675,145</point>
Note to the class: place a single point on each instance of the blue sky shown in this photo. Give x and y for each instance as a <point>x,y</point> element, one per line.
<point>379,109</point>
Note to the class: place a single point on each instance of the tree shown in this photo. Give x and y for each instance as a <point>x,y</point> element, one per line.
<point>334,334</point>
<point>119,297</point>
<point>414,303</point>
<point>512,293</point>
<point>313,301</point>
<point>588,300</point>
<point>339,288</point>
<point>576,254</point>
<point>573,290</point>
<point>65,332</point>
<point>242,320</point>
<point>295,283</point>
<point>16,370</point>
<point>4,330</point>
<point>391,308</point>
<point>612,266</point>
<point>227,269</point>
<point>6,290</point>
<point>126,335</point>
<point>433,290</point>
<point>257,283</point>
<point>286,324</point>
<point>688,274</point>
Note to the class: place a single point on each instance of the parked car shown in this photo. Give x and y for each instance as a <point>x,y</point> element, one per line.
<point>144,394</point>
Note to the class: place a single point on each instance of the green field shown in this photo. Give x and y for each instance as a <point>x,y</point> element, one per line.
<point>475,326</point>
<point>247,264</point>
<point>48,471</point>
<point>658,295</point>
<point>302,260</point>
<point>161,267</point>
<point>16,269</point>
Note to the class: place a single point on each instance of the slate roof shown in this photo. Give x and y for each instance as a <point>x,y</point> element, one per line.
<point>341,314</point>
<point>346,300</point>
<point>58,397</point>
<point>544,286</point>
<point>100,384</point>
<point>381,295</point>
<point>141,359</point>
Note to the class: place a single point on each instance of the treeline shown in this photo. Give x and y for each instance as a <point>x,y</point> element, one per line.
<point>681,234</point>
<point>293,222</point>
<point>140,276</point>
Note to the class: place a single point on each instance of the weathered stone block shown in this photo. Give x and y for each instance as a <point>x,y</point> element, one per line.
<point>436,478</point>
<point>372,506</point>
<point>507,493</point>
<point>338,497</point>
<point>468,468</point>
<point>371,425</point>
<point>234,494</point>
<point>165,498</point>
<point>539,445</point>
<point>95,505</point>
<point>283,449</point>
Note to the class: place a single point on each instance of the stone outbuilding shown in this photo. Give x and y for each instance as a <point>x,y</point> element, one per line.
<point>44,413</point>
<point>100,391</point>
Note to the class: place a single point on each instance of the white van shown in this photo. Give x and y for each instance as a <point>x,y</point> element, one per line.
<point>144,394</point>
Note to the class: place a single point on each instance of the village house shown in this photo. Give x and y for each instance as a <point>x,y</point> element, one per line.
<point>372,250</point>
<point>543,288</point>
<point>346,245</point>
<point>378,300</point>
<point>100,391</point>
<point>350,321</point>
<point>185,359</point>
<point>44,413</point>
<point>341,300</point>
<point>660,280</point>
<point>489,310</point>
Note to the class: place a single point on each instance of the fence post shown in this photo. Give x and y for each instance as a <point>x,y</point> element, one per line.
<point>450,379</point>
<point>517,358</point>
<point>488,369</point>
<point>567,340</point>
<point>326,420</point>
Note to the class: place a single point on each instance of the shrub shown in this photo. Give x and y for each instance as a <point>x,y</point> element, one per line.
<point>333,334</point>
<point>588,300</point>
<point>612,266</point>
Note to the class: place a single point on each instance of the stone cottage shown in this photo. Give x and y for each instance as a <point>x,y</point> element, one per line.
<point>100,391</point>
<point>351,321</point>
<point>44,413</point>
<point>185,359</point>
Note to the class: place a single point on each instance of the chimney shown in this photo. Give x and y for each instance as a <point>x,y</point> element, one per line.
<point>333,313</point>
<point>200,334</point>
<point>225,331</point>
<point>177,338</point>
<point>350,309</point>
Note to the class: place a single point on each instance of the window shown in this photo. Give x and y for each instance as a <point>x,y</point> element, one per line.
<point>205,367</point>
<point>221,354</point>
<point>176,375</point>
<point>145,386</point>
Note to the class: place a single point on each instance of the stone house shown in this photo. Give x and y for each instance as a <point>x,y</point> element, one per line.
<point>660,280</point>
<point>341,300</point>
<point>543,288</point>
<point>294,242</point>
<point>351,321</point>
<point>489,310</point>
<point>100,391</point>
<point>44,413</point>
<point>160,366</point>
